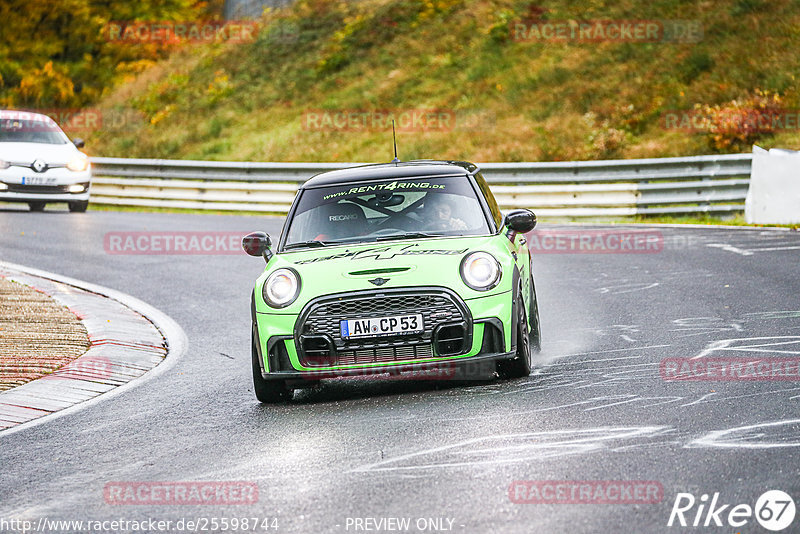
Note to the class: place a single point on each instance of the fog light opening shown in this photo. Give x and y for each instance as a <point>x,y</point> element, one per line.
<point>318,351</point>
<point>450,339</point>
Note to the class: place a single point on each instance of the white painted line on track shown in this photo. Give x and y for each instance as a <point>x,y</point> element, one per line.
<point>771,249</point>
<point>730,248</point>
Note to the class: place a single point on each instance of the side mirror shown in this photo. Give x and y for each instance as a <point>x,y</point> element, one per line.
<point>78,142</point>
<point>257,244</point>
<point>521,221</point>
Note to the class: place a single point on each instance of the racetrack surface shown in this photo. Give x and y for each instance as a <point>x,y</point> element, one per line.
<point>597,407</point>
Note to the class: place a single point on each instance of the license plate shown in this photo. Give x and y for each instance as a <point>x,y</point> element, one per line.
<point>37,180</point>
<point>381,326</point>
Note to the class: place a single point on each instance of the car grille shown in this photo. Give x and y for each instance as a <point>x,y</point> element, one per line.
<point>378,355</point>
<point>321,342</point>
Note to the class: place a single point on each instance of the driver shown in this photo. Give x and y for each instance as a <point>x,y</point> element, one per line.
<point>439,213</point>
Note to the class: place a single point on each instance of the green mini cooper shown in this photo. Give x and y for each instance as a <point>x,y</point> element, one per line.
<point>393,268</point>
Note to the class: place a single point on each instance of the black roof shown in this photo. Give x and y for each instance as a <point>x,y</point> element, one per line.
<point>388,171</point>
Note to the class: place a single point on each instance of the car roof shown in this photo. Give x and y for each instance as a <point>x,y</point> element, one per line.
<point>388,171</point>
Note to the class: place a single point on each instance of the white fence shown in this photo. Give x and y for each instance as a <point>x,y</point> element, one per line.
<point>709,184</point>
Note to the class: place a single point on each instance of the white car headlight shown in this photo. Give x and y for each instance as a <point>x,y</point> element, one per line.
<point>281,288</point>
<point>78,164</point>
<point>3,186</point>
<point>4,164</point>
<point>480,271</point>
<point>77,188</point>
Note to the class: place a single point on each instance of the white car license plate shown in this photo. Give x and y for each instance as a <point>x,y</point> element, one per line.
<point>381,326</point>
<point>37,180</point>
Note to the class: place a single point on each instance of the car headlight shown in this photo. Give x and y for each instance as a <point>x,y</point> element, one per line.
<point>76,188</point>
<point>480,271</point>
<point>281,288</point>
<point>78,163</point>
<point>4,164</point>
<point>3,186</point>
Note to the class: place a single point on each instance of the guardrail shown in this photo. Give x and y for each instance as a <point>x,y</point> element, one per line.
<point>612,188</point>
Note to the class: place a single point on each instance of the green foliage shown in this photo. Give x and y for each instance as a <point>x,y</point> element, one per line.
<point>500,31</point>
<point>745,7</point>
<point>60,54</point>
<point>696,64</point>
<point>362,28</point>
<point>540,100</point>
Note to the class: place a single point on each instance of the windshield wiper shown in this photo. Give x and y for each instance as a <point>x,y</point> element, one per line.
<point>309,243</point>
<point>409,235</point>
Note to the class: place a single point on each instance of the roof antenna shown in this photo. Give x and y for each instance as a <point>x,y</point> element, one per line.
<point>396,160</point>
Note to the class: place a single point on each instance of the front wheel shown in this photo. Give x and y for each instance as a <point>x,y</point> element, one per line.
<point>267,391</point>
<point>36,206</point>
<point>520,365</point>
<point>79,206</point>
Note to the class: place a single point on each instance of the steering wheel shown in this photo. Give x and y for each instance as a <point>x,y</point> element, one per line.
<point>439,226</point>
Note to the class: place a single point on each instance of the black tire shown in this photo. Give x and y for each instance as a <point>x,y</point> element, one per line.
<point>267,391</point>
<point>79,206</point>
<point>536,329</point>
<point>36,206</point>
<point>520,365</point>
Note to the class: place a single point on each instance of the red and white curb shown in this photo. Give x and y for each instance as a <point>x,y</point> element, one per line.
<point>130,341</point>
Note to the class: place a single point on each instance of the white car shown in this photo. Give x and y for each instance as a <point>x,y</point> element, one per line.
<point>39,164</point>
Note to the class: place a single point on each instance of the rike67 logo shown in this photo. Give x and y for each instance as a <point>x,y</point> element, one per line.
<point>774,510</point>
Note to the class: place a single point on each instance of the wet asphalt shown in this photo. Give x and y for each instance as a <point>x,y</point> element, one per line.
<point>350,455</point>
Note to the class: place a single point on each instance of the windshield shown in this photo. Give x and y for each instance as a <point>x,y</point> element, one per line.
<point>14,130</point>
<point>385,210</point>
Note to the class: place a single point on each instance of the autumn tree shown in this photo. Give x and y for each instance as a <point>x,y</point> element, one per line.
<point>58,53</point>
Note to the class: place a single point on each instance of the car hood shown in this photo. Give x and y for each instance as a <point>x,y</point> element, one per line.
<point>386,265</point>
<point>28,152</point>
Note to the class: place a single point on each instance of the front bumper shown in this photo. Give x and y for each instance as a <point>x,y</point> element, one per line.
<point>51,186</point>
<point>477,367</point>
<point>37,196</point>
<point>306,346</point>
